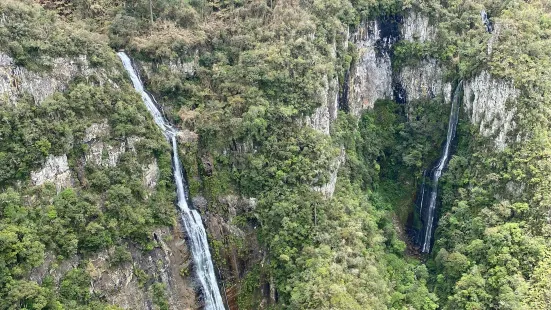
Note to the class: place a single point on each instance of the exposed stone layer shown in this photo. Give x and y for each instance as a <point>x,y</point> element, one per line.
<point>100,152</point>
<point>128,285</point>
<point>417,27</point>
<point>371,79</point>
<point>323,116</point>
<point>16,81</point>
<point>425,81</point>
<point>329,188</point>
<point>485,101</point>
<point>55,170</point>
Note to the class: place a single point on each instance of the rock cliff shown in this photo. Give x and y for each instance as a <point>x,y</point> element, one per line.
<point>323,116</point>
<point>16,81</point>
<point>426,80</point>
<point>485,101</point>
<point>55,170</point>
<point>129,284</point>
<point>373,76</point>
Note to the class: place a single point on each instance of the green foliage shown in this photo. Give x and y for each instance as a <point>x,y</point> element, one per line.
<point>32,132</point>
<point>106,205</point>
<point>258,77</point>
<point>24,295</point>
<point>74,287</point>
<point>248,288</point>
<point>159,296</point>
<point>492,236</point>
<point>143,278</point>
<point>120,256</point>
<point>259,68</point>
<point>32,35</point>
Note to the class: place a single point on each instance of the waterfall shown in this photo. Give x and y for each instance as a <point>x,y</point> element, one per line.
<point>427,205</point>
<point>191,219</point>
<point>486,21</point>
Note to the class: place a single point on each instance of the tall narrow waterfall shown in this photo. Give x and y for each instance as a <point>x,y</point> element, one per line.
<point>191,219</point>
<point>429,190</point>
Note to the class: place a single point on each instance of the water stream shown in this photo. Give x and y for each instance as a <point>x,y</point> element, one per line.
<point>429,190</point>
<point>486,20</point>
<point>191,219</point>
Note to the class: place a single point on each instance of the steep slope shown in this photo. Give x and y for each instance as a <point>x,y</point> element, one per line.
<point>86,213</point>
<point>305,128</point>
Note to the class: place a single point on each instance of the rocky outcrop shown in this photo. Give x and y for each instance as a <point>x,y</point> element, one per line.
<point>323,116</point>
<point>174,66</point>
<point>166,264</point>
<point>494,38</point>
<point>371,78</point>
<point>178,66</point>
<point>96,131</point>
<point>417,27</point>
<point>55,170</point>
<point>426,80</point>
<point>128,284</point>
<point>151,174</point>
<point>329,188</point>
<point>101,153</point>
<point>235,244</point>
<point>16,81</point>
<point>485,101</point>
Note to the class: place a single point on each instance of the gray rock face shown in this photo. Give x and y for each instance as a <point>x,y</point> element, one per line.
<point>55,170</point>
<point>329,188</point>
<point>425,80</point>
<point>132,141</point>
<point>494,38</point>
<point>161,265</point>
<point>371,79</point>
<point>121,285</point>
<point>200,203</point>
<point>96,131</point>
<point>175,66</point>
<point>485,101</point>
<point>178,66</point>
<point>416,27</point>
<point>323,116</point>
<point>151,174</point>
<point>101,153</point>
<point>16,81</point>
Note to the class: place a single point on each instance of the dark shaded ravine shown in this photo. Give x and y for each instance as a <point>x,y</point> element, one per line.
<point>428,193</point>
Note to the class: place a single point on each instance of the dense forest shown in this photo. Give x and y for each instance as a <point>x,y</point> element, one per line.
<point>303,210</point>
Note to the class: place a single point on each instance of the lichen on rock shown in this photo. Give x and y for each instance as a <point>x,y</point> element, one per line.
<point>16,80</point>
<point>55,170</point>
<point>485,101</point>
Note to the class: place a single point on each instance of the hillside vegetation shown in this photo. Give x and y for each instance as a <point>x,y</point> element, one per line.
<point>243,75</point>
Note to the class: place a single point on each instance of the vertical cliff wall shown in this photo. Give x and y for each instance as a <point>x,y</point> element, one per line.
<point>488,102</point>
<point>16,81</point>
<point>374,77</point>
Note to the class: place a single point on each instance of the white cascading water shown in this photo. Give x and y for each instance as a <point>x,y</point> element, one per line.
<point>436,173</point>
<point>422,193</point>
<point>486,21</point>
<point>191,219</point>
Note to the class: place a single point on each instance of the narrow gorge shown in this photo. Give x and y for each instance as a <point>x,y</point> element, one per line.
<point>429,190</point>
